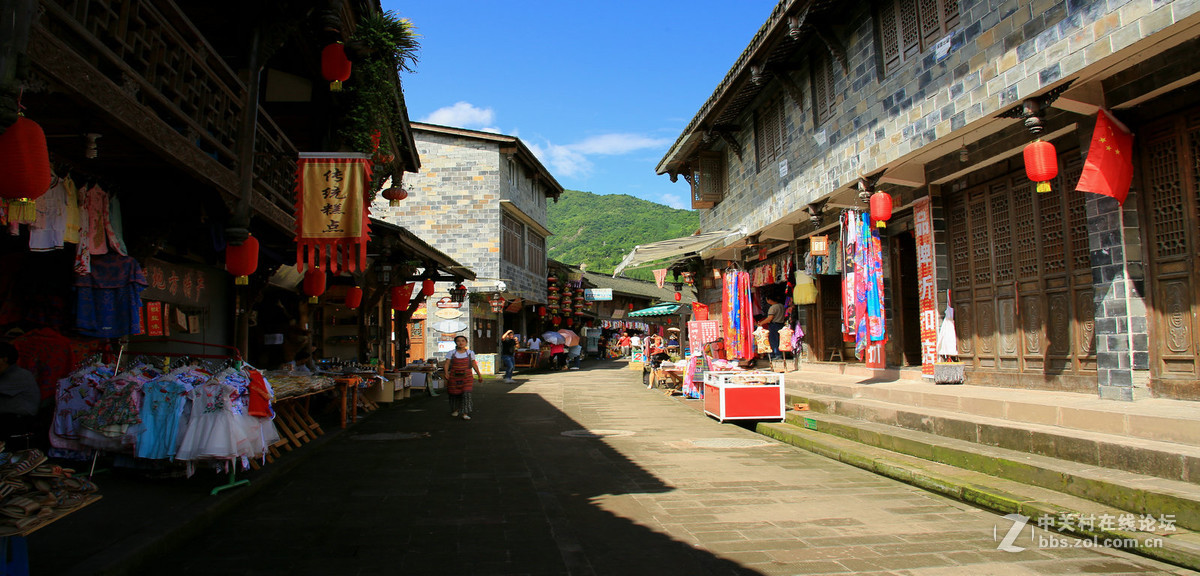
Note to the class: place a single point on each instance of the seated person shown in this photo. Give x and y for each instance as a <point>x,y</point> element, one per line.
<point>19,395</point>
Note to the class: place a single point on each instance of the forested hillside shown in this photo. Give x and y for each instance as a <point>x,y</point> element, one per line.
<point>599,230</point>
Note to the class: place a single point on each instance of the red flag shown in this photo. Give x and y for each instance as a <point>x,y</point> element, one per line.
<point>1109,166</point>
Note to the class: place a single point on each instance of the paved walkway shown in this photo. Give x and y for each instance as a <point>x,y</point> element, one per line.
<point>590,473</point>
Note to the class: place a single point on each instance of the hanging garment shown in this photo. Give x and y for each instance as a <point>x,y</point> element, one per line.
<point>805,291</point>
<point>116,230</point>
<point>71,233</point>
<point>108,300</point>
<point>785,339</point>
<point>48,230</point>
<point>76,393</point>
<point>106,426</point>
<point>211,432</point>
<point>162,407</point>
<point>947,339</point>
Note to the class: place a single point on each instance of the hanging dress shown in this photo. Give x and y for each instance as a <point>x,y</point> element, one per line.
<point>211,433</point>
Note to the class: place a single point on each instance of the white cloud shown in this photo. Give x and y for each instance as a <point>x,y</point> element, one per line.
<point>464,115</point>
<point>611,144</point>
<point>675,201</point>
<point>562,160</point>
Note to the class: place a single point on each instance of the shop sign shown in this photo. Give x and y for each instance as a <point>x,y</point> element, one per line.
<point>597,294</point>
<point>926,285</point>
<point>818,245</point>
<point>875,360</point>
<point>177,284</point>
<point>448,314</point>
<point>446,302</point>
<point>701,332</point>
<point>154,319</point>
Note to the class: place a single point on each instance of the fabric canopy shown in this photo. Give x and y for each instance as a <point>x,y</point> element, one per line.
<point>659,310</point>
<point>653,251</point>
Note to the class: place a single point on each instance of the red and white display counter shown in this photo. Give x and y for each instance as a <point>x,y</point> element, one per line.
<point>744,395</point>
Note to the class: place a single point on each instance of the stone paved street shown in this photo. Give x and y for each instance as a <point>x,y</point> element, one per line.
<point>655,488</point>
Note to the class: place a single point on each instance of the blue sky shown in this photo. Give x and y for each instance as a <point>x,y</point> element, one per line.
<point>598,90</point>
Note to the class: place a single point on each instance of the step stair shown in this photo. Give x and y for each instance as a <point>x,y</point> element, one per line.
<point>1034,453</point>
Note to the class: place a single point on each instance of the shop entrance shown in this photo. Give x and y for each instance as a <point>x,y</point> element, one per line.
<point>416,340</point>
<point>906,304</point>
<point>829,320</point>
<point>486,338</point>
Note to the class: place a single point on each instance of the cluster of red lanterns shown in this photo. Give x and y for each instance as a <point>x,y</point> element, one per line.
<point>1041,163</point>
<point>25,163</point>
<point>335,66</point>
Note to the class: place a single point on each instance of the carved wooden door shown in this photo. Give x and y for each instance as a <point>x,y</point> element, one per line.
<point>1021,279</point>
<point>416,340</point>
<point>1171,150</point>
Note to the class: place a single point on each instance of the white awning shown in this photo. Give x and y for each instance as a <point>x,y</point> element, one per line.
<point>674,247</point>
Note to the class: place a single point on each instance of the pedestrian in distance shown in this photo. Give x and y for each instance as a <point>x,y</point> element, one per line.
<point>508,355</point>
<point>624,342</point>
<point>574,356</point>
<point>773,323</point>
<point>460,362</point>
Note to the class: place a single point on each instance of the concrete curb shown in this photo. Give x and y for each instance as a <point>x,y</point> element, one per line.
<point>1181,547</point>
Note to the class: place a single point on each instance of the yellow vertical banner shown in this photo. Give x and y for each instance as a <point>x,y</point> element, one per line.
<point>331,211</point>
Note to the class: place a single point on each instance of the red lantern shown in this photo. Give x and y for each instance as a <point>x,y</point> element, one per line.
<point>354,297</point>
<point>242,261</point>
<point>394,195</point>
<point>556,321</point>
<point>314,284</point>
<point>881,208</point>
<point>541,310</point>
<point>1041,164</point>
<point>678,297</point>
<point>631,305</point>
<point>427,287</point>
<point>25,163</point>
<point>401,295</point>
<point>335,66</point>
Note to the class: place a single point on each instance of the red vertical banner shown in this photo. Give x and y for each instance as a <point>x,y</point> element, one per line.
<point>154,319</point>
<point>926,283</point>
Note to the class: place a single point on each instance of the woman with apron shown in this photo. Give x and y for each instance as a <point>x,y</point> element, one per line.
<point>460,362</point>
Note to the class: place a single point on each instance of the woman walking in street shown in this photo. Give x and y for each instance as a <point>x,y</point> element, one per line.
<point>459,364</point>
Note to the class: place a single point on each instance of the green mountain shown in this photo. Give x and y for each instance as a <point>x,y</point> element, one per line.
<point>600,229</point>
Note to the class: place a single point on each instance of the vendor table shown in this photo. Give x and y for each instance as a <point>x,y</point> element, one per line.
<point>426,369</point>
<point>744,395</point>
<point>292,393</point>
<point>672,376</point>
<point>532,359</point>
<point>14,554</point>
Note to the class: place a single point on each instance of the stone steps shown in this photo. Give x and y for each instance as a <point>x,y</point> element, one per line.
<point>983,422</point>
<point>1010,482</point>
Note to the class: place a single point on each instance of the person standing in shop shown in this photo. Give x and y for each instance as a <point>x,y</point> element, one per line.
<point>773,323</point>
<point>508,355</point>
<point>460,362</point>
<point>624,342</point>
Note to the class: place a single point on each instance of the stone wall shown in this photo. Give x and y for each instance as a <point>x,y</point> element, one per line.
<point>1002,52</point>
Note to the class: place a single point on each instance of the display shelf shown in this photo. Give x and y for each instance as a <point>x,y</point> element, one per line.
<point>740,395</point>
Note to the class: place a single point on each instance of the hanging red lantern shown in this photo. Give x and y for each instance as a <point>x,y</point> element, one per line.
<point>541,311</point>
<point>335,66</point>
<point>314,284</point>
<point>25,163</point>
<point>427,287</point>
<point>631,305</point>
<point>556,321</point>
<point>354,297</point>
<point>401,296</point>
<point>242,261</point>
<point>394,195</point>
<point>552,279</point>
<point>1041,164</point>
<point>881,208</point>
<point>588,324</point>
<point>678,297</point>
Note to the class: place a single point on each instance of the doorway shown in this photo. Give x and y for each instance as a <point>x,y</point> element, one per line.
<point>907,303</point>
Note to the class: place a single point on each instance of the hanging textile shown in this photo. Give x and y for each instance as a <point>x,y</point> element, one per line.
<point>738,323</point>
<point>109,299</point>
<point>331,211</point>
<point>806,289</point>
<point>660,277</point>
<point>869,313</point>
<point>849,317</point>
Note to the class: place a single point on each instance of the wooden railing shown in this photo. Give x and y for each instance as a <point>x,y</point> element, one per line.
<point>159,60</point>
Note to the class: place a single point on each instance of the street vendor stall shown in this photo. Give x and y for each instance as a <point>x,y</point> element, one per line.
<point>744,395</point>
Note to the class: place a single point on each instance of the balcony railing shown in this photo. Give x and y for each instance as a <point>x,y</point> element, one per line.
<point>153,54</point>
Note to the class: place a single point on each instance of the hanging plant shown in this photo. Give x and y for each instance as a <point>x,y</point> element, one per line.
<point>384,46</point>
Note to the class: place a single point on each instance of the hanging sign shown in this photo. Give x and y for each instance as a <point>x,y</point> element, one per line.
<point>597,294</point>
<point>926,284</point>
<point>448,314</point>
<point>154,319</point>
<point>331,211</point>
<point>447,302</point>
<point>701,332</point>
<point>818,245</point>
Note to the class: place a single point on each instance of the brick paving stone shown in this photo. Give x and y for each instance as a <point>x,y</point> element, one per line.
<point>507,494</point>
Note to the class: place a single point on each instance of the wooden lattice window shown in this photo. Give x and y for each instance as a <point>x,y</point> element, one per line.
<point>770,137</point>
<point>909,27</point>
<point>824,96</point>
<point>535,251</point>
<point>512,242</point>
<point>708,179</point>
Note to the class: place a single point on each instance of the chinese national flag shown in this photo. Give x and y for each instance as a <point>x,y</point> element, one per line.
<point>1109,166</point>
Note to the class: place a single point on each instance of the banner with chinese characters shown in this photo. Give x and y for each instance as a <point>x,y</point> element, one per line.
<point>701,332</point>
<point>331,211</point>
<point>926,284</point>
